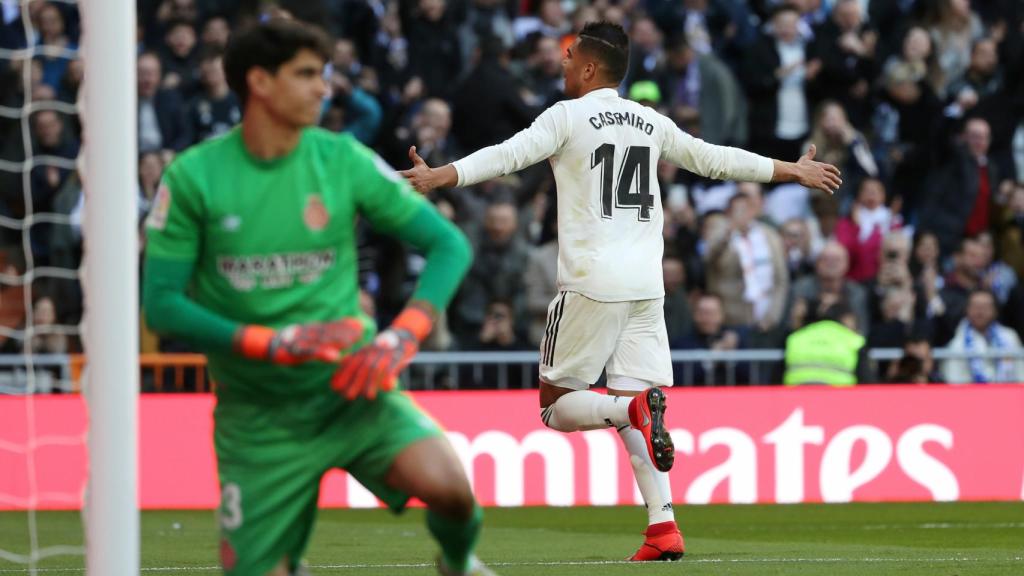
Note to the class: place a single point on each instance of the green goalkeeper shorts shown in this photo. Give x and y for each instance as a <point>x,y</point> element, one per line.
<point>271,458</point>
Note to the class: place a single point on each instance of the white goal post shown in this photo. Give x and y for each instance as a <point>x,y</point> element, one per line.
<point>111,287</point>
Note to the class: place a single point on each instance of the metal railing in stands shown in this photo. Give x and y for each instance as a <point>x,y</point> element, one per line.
<point>436,370</point>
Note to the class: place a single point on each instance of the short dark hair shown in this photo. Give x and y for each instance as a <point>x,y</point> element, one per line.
<point>268,45</point>
<point>608,43</point>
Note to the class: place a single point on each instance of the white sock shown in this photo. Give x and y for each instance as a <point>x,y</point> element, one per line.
<point>586,410</point>
<point>654,485</point>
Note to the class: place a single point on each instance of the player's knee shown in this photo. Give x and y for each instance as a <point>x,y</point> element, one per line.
<point>550,418</point>
<point>454,501</point>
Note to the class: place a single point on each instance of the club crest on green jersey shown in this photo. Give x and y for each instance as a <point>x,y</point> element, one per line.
<point>315,214</point>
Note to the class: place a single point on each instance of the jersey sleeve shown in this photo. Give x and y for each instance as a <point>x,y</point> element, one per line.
<point>711,160</point>
<point>543,139</point>
<point>383,197</point>
<point>174,225</point>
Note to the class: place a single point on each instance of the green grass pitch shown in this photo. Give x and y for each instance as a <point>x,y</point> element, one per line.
<point>834,540</point>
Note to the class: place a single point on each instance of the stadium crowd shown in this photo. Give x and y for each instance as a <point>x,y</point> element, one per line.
<point>920,103</point>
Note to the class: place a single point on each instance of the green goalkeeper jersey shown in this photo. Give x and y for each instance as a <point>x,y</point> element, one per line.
<point>273,242</point>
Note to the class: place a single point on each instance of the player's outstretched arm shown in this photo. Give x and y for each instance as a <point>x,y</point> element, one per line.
<point>541,140</point>
<point>808,173</point>
<point>170,311</point>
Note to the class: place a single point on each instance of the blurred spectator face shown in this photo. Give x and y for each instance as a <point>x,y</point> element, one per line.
<point>549,56</point>
<point>755,196</point>
<point>679,57</point>
<point>898,305</point>
<point>437,115</point>
<point>51,24</point>
<point>958,8</point>
<point>711,224</point>
<point>833,121</point>
<point>499,315</point>
<point>795,235</point>
<point>921,349</point>
<point>981,311</point>
<point>44,313</point>
<point>48,128</point>
<point>645,35</point>
<point>927,251</point>
<point>432,10</point>
<point>211,73</point>
<point>917,45</point>
<point>988,249</point>
<point>833,262</point>
<point>674,274</point>
<point>181,39</point>
<point>151,168</point>
<point>740,212</point>
<point>551,13</point>
<point>584,14</point>
<point>847,16</point>
<point>216,32</point>
<point>344,56</point>
<point>149,74</point>
<point>984,57</point>
<point>784,26</point>
<point>896,248</point>
<point>977,135</point>
<point>972,259</point>
<point>708,316</point>
<point>871,193</point>
<point>500,223</point>
<point>1017,200</point>
<point>614,14</point>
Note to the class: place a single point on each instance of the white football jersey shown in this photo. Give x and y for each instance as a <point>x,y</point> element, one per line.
<point>604,151</point>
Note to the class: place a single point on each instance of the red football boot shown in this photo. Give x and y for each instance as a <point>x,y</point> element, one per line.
<point>662,541</point>
<point>647,414</point>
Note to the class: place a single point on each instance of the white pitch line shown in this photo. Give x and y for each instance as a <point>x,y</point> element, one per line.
<point>580,563</point>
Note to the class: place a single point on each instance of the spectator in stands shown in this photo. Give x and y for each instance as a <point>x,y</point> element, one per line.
<point>498,332</point>
<point>178,58</point>
<point>962,192</point>
<point>490,91</point>
<point>71,82</point>
<point>162,125</point>
<point>895,320</point>
<point>917,365</point>
<point>53,35</point>
<point>541,283</point>
<point>351,109</point>
<point>776,72</point>
<point>646,50</point>
<point>700,93</point>
<point>215,33</point>
<point>843,146</point>
<point>948,305</point>
<point>862,232</point>
<point>953,27</point>
<point>796,242</point>
<point>678,318</point>
<point>44,320</point>
<point>982,79</point>
<point>434,53</point>
<point>50,138</point>
<point>12,297</point>
<point>925,262</point>
<point>997,276</point>
<point>1011,231</point>
<point>214,110</point>
<point>484,18</point>
<point>543,75</point>
<point>709,332</point>
<point>151,169</point>
<point>827,349</point>
<point>979,332</point>
<point>496,274</point>
<point>829,285</point>
<point>847,46</point>
<point>746,268</point>
<point>550,20</point>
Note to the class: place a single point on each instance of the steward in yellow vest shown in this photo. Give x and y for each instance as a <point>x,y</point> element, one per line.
<point>827,351</point>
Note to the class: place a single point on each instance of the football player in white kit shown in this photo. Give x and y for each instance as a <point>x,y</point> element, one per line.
<point>608,314</point>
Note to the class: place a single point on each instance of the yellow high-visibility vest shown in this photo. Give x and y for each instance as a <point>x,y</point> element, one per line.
<point>824,352</point>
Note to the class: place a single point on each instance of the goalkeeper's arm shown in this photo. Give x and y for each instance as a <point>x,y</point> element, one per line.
<point>171,312</point>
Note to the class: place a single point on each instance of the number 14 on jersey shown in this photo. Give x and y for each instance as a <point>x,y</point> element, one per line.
<point>633,189</point>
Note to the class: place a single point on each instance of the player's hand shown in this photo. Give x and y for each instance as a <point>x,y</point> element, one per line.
<point>378,366</point>
<point>817,175</point>
<point>324,342</point>
<point>419,176</point>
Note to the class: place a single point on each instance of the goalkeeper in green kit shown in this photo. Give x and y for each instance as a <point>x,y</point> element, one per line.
<point>251,256</point>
